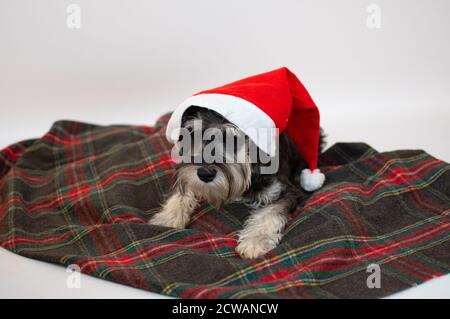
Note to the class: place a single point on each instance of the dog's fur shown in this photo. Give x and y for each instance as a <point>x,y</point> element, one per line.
<point>271,197</point>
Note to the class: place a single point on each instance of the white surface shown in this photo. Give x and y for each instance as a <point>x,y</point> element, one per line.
<point>132,61</point>
<point>22,277</point>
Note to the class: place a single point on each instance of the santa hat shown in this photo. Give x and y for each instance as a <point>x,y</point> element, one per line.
<point>272,100</point>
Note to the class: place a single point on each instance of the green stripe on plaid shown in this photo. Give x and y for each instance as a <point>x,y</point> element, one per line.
<point>82,194</point>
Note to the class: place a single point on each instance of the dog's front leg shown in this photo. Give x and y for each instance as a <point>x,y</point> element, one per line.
<point>176,211</point>
<point>263,230</point>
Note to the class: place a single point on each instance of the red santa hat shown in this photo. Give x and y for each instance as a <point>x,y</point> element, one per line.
<point>272,100</point>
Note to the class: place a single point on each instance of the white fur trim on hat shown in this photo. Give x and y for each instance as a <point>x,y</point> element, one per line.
<point>311,180</point>
<point>245,115</point>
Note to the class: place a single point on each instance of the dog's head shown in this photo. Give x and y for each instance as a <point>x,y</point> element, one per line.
<point>228,174</point>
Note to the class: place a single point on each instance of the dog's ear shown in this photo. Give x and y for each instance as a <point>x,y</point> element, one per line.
<point>191,113</point>
<point>204,114</point>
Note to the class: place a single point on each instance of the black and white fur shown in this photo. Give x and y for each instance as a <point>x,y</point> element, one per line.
<point>271,197</point>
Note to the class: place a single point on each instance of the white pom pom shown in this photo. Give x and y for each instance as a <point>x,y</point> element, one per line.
<point>311,180</point>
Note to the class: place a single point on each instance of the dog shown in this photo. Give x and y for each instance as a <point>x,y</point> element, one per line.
<point>271,197</point>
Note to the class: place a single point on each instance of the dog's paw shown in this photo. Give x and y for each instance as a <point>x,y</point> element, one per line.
<point>168,220</point>
<point>256,246</point>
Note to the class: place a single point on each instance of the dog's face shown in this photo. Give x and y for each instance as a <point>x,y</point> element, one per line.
<point>219,181</point>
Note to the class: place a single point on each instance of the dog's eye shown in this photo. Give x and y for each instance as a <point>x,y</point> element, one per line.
<point>189,129</point>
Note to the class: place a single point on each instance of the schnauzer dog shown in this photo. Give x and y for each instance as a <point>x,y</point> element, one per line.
<point>271,197</point>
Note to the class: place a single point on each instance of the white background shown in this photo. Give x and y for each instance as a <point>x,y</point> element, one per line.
<point>132,61</point>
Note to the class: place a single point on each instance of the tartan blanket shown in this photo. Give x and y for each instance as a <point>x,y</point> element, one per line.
<point>82,194</point>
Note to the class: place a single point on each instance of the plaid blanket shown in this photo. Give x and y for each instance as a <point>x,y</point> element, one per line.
<point>82,194</point>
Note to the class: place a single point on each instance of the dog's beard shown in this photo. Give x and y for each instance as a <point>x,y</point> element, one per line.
<point>230,182</point>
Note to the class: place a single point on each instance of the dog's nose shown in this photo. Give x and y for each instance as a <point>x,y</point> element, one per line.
<point>206,174</point>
